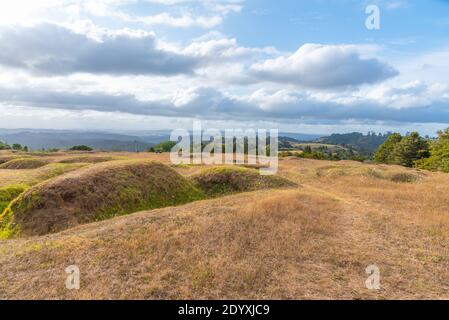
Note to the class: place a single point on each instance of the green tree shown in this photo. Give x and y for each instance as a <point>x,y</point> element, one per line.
<point>165,146</point>
<point>410,149</point>
<point>17,146</point>
<point>439,154</point>
<point>81,148</point>
<point>385,152</point>
<point>404,151</point>
<point>4,146</point>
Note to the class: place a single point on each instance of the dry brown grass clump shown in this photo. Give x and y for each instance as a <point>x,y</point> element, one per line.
<point>231,179</point>
<point>94,194</point>
<point>24,163</point>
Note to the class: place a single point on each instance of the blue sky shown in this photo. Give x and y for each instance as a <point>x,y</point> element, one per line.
<point>305,66</point>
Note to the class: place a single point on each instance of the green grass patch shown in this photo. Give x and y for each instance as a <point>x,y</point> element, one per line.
<point>8,194</point>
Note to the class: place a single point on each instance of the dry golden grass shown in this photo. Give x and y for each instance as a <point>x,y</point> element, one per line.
<point>310,242</point>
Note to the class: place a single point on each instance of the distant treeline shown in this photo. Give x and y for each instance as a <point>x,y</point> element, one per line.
<point>19,147</point>
<point>366,145</point>
<point>324,153</point>
<point>167,146</point>
<point>15,146</point>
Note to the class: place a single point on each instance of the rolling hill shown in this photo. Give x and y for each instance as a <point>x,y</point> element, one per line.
<point>312,238</point>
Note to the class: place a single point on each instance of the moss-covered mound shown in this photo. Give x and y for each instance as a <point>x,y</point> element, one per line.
<point>87,159</point>
<point>24,163</point>
<point>225,180</point>
<point>94,194</point>
<point>9,193</point>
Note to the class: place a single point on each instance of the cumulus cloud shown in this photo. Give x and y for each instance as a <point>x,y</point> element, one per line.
<point>323,66</point>
<point>214,47</point>
<point>51,49</point>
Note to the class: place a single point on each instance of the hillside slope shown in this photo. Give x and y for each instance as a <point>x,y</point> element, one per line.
<point>314,241</point>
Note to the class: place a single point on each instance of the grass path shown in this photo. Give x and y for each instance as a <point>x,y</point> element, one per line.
<point>409,269</point>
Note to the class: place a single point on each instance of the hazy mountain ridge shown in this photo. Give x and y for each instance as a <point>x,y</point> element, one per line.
<point>46,139</point>
<point>37,139</point>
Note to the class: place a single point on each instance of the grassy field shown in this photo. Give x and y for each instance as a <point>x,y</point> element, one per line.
<point>311,236</point>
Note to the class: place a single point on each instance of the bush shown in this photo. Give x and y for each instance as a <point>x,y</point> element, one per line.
<point>4,146</point>
<point>308,153</point>
<point>81,148</point>
<point>165,146</point>
<point>17,146</point>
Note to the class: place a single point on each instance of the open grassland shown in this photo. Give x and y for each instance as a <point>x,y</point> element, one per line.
<point>309,237</point>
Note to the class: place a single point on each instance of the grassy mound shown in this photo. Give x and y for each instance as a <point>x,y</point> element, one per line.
<point>225,180</point>
<point>393,176</point>
<point>7,194</point>
<point>94,194</point>
<point>6,159</point>
<point>86,159</point>
<point>24,163</point>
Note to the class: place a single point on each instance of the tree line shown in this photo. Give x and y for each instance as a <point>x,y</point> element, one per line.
<point>412,150</point>
<point>15,146</point>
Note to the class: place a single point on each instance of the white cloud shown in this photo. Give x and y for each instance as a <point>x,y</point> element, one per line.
<point>323,66</point>
<point>184,21</point>
<point>208,13</point>
<point>50,49</point>
<point>409,95</point>
<point>77,67</point>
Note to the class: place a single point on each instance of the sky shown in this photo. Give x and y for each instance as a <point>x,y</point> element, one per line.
<point>309,66</point>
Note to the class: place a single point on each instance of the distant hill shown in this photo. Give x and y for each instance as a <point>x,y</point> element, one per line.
<point>37,139</point>
<point>62,139</point>
<point>298,137</point>
<point>366,144</point>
